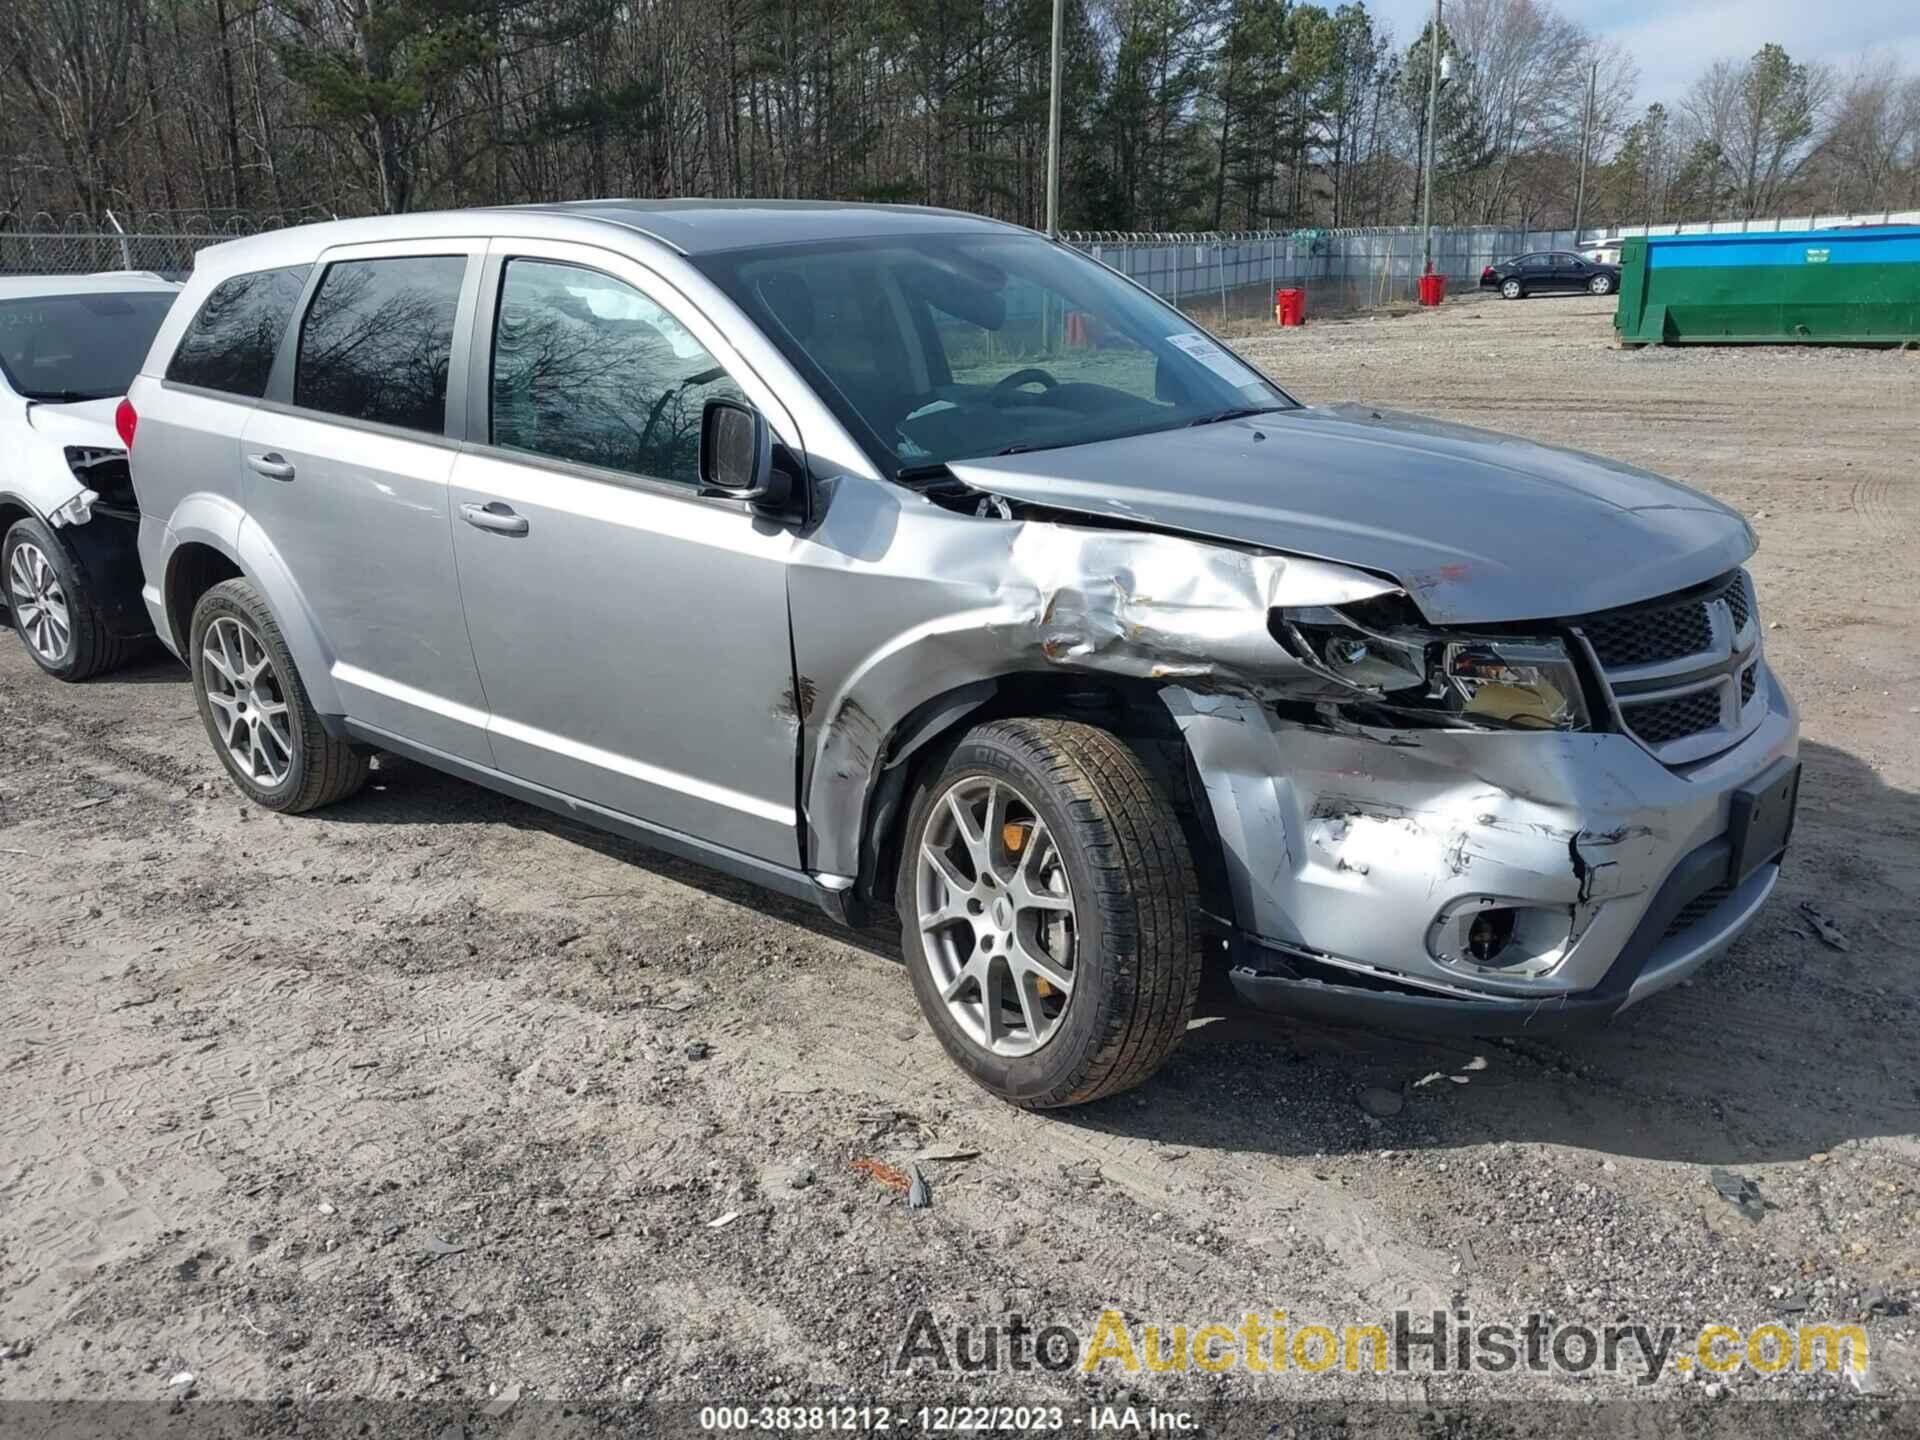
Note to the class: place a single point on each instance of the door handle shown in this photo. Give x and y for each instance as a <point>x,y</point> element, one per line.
<point>497,516</point>
<point>273,465</point>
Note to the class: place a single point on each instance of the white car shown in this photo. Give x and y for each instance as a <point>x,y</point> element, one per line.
<point>69,523</point>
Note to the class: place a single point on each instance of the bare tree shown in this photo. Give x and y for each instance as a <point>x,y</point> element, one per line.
<point>1869,158</point>
<point>71,60</point>
<point>1761,116</point>
<point>1178,113</point>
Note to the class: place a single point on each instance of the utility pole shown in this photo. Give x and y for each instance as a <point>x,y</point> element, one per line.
<point>1433,112</point>
<point>1053,129</point>
<point>1586,129</point>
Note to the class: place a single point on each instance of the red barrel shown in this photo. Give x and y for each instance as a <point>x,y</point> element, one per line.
<point>1290,307</point>
<point>1433,289</point>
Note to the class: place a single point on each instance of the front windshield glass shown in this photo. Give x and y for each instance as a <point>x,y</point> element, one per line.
<point>951,347</point>
<point>67,348</point>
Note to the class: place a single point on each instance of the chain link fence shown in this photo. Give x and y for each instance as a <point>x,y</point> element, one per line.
<point>163,241</point>
<point>1219,279</point>
<point>59,253</point>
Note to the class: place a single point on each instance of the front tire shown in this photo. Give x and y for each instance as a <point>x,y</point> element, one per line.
<point>263,726</point>
<point>1048,912</point>
<point>50,599</point>
<point>1601,285</point>
<point>1512,289</point>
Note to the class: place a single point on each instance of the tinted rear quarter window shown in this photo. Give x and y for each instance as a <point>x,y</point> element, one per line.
<point>377,340</point>
<point>232,341</point>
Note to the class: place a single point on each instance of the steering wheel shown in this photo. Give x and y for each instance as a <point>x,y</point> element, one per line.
<point>1031,375</point>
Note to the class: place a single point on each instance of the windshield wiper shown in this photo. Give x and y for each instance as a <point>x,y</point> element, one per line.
<point>1238,414</point>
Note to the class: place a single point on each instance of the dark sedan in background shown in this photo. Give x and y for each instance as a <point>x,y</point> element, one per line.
<point>1550,272</point>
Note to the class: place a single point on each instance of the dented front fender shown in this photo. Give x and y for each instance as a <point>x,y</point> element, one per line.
<point>897,601</point>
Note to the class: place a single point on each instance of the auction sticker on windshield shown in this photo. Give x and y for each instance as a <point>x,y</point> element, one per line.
<point>1214,358</point>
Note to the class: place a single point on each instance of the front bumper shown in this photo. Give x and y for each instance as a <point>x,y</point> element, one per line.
<point>1349,854</point>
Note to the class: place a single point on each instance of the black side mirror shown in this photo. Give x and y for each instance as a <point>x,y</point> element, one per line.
<point>736,456</point>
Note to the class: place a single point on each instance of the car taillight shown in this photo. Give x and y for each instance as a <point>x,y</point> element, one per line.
<point>125,421</point>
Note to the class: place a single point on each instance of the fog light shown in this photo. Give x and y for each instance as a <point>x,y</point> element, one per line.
<point>1490,933</point>
<point>1501,933</point>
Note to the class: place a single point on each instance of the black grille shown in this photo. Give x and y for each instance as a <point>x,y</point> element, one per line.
<point>1697,909</point>
<point>1739,599</point>
<point>1666,720</point>
<point>1642,637</point>
<point>1749,678</point>
<point>1663,632</point>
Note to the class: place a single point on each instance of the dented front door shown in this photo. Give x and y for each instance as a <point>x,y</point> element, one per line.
<point>631,635</point>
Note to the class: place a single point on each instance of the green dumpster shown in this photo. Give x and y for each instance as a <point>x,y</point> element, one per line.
<point>1803,287</point>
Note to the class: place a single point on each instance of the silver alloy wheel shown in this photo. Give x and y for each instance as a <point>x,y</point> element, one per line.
<point>249,702</point>
<point>995,910</point>
<point>39,603</point>
<point>1511,289</point>
<point>1600,285</point>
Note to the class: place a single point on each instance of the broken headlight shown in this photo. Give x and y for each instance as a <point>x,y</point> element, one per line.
<point>1433,678</point>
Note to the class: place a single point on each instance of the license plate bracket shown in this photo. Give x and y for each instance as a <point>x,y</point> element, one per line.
<point>1760,821</point>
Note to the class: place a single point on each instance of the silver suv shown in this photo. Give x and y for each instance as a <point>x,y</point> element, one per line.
<point>897,557</point>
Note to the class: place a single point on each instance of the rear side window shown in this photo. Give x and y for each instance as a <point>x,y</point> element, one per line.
<point>377,340</point>
<point>232,341</point>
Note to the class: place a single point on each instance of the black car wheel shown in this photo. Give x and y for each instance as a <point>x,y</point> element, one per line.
<point>1601,285</point>
<point>51,600</point>
<point>1512,289</point>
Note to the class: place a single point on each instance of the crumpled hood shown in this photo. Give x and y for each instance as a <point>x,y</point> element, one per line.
<point>88,423</point>
<point>1478,527</point>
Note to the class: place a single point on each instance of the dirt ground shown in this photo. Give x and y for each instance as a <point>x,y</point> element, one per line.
<point>400,1100</point>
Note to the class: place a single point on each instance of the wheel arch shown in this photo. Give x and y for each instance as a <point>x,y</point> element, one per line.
<point>194,568</point>
<point>914,749</point>
<point>213,542</point>
<point>13,509</point>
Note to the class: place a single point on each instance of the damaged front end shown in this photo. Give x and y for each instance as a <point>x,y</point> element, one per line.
<point>1435,826</point>
<point>83,489</point>
<point>106,486</point>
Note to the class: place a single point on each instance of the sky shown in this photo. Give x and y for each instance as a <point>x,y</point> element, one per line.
<point>1674,40</point>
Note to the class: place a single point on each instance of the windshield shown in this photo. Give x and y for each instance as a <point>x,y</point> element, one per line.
<point>67,348</point>
<point>951,347</point>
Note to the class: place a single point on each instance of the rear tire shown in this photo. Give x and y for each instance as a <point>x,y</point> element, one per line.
<point>1115,855</point>
<point>1512,289</point>
<point>1601,285</point>
<point>50,600</point>
<point>262,725</point>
